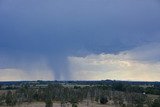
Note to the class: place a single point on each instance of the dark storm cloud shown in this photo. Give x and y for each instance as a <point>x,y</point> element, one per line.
<point>55,29</point>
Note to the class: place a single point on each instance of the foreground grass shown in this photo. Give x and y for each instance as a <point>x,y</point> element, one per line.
<point>56,104</point>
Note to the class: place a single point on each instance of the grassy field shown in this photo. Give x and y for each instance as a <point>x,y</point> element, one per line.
<point>83,104</point>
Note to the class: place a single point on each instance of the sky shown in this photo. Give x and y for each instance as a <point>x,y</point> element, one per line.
<point>79,40</point>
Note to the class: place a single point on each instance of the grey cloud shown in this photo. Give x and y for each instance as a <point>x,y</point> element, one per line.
<point>56,29</point>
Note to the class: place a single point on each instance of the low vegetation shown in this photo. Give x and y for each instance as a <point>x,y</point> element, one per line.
<point>120,94</point>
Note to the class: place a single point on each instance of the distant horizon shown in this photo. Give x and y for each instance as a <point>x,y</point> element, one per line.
<point>78,80</point>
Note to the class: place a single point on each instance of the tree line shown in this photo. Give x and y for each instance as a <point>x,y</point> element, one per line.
<point>120,94</point>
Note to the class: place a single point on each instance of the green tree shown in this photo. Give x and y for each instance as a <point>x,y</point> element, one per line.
<point>49,103</point>
<point>139,100</point>
<point>74,105</point>
<point>49,95</point>
<point>2,99</point>
<point>103,100</point>
<point>11,99</point>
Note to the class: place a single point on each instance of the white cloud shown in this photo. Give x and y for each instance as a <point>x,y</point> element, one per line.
<point>140,63</point>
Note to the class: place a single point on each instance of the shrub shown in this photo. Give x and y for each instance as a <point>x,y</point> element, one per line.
<point>103,100</point>
<point>74,105</point>
<point>49,103</point>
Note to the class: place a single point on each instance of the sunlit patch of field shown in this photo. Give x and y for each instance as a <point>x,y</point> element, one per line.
<point>152,96</point>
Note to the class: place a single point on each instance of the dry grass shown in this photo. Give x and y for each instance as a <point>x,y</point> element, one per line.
<point>83,104</point>
<point>5,91</point>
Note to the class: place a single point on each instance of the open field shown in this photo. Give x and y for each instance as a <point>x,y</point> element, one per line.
<point>152,96</point>
<point>41,104</point>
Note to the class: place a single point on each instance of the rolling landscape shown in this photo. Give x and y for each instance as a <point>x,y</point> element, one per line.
<point>106,93</point>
